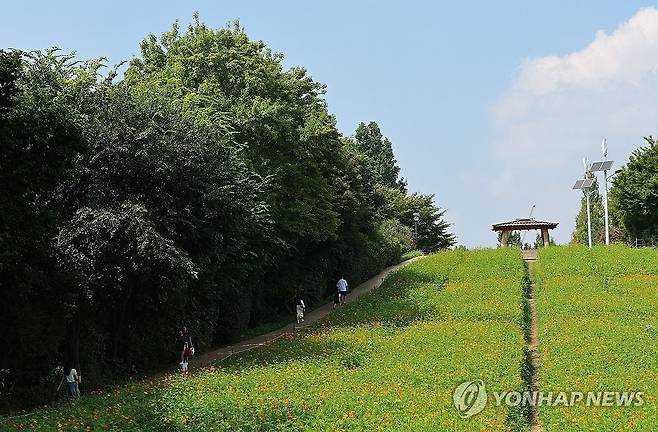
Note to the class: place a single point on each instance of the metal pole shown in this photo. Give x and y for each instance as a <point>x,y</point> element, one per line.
<point>416,219</point>
<point>589,221</point>
<point>604,149</point>
<point>605,207</point>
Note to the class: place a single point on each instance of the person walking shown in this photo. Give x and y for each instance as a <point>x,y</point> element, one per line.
<point>336,300</point>
<point>300,308</point>
<point>188,349</point>
<point>72,379</point>
<point>341,287</point>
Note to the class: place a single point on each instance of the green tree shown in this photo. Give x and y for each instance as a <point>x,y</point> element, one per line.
<point>432,229</point>
<point>514,238</point>
<point>379,152</point>
<point>120,219</point>
<point>539,241</point>
<point>222,78</point>
<point>634,193</point>
<point>206,187</point>
<point>280,120</point>
<point>40,136</point>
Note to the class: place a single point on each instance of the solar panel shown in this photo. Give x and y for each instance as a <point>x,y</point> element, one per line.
<point>596,166</point>
<point>601,166</point>
<point>583,184</point>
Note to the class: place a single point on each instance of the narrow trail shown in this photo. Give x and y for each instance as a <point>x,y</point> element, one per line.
<point>224,352</point>
<point>530,256</point>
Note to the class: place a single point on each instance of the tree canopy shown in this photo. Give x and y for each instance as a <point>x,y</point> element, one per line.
<point>207,186</point>
<point>634,193</point>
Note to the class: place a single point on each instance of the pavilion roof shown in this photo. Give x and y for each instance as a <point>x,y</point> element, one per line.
<point>523,224</point>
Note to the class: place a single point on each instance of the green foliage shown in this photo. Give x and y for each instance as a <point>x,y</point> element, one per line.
<point>385,362</point>
<point>121,241</point>
<point>379,153</point>
<point>514,238</point>
<point>431,230</point>
<point>207,186</point>
<point>634,193</point>
<point>41,136</point>
<point>539,241</point>
<point>411,254</point>
<point>222,78</point>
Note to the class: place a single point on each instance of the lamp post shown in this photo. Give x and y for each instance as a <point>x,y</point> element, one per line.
<point>604,148</point>
<point>589,218</point>
<point>416,219</point>
<point>604,166</point>
<point>585,184</point>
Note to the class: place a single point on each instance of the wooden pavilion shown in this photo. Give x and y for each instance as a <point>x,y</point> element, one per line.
<point>524,225</point>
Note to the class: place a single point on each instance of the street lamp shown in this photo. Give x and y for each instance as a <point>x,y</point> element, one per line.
<point>416,219</point>
<point>585,184</point>
<point>604,166</point>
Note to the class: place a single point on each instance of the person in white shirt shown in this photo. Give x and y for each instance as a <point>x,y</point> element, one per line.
<point>72,380</point>
<point>341,286</point>
<point>300,308</point>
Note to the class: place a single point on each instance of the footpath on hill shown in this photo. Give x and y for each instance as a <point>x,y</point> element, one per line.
<point>530,256</point>
<point>219,354</point>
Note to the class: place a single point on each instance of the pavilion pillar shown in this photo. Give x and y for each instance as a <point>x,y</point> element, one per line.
<point>504,238</point>
<point>544,236</point>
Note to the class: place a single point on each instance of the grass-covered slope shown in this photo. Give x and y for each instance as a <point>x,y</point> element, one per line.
<point>387,362</point>
<point>598,331</point>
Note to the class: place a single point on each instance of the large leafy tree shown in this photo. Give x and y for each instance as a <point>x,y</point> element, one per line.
<point>121,218</point>
<point>431,230</point>
<point>634,193</point>
<point>191,208</point>
<point>223,78</point>
<point>280,120</point>
<point>40,136</point>
<point>207,187</point>
<point>379,152</point>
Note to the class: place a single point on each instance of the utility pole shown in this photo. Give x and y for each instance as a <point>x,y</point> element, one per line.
<point>589,220</point>
<point>604,147</point>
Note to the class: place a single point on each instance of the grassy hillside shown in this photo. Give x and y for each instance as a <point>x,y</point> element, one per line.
<point>598,330</point>
<point>387,362</point>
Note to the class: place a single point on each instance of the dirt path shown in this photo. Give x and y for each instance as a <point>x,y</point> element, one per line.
<point>533,344</point>
<point>219,354</point>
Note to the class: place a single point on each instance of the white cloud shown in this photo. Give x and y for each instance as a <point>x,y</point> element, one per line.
<point>560,107</point>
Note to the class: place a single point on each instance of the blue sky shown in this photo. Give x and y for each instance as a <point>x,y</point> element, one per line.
<point>489,105</point>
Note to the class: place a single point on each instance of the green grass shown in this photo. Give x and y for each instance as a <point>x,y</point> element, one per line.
<point>598,331</point>
<point>411,254</point>
<point>389,361</point>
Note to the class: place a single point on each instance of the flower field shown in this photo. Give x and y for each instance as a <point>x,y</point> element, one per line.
<point>389,361</point>
<point>598,331</point>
